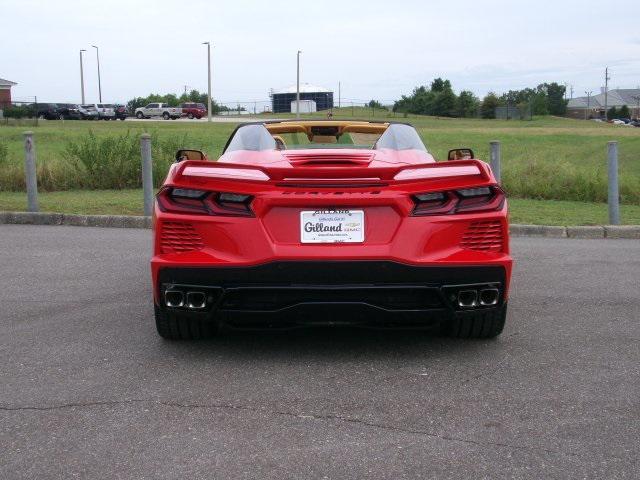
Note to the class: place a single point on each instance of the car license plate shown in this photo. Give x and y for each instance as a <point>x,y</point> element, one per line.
<point>332,226</point>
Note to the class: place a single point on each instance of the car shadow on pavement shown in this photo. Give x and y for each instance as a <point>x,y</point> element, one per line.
<point>332,342</point>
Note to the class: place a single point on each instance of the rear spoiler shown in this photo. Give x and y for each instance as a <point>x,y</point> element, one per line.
<point>320,175</point>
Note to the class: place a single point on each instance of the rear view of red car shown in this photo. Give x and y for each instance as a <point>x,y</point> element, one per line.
<point>194,110</point>
<point>329,222</point>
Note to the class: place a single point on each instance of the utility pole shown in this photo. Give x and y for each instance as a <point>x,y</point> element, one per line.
<point>298,85</point>
<point>82,77</point>
<point>571,91</point>
<point>339,95</point>
<point>637,99</point>
<point>99,85</point>
<point>208,80</point>
<point>606,92</point>
<point>586,112</point>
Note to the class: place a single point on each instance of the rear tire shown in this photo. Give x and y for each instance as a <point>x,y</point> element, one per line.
<point>478,323</point>
<point>190,116</point>
<point>176,327</point>
<point>166,115</point>
<point>139,115</point>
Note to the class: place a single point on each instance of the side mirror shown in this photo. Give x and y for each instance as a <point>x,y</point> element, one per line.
<point>190,155</point>
<point>460,154</point>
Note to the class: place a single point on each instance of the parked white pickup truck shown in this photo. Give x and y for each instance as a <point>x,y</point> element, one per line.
<point>159,110</point>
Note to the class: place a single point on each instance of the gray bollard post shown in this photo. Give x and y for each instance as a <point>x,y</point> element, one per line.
<point>30,174</point>
<point>147,173</point>
<point>495,159</point>
<point>614,196</point>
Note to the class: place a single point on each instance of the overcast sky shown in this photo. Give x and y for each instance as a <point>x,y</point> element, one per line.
<point>377,49</point>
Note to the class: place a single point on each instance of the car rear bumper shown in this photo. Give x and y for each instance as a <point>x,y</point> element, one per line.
<point>299,293</point>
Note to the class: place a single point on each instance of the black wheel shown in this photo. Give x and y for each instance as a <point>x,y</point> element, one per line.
<point>190,116</point>
<point>122,118</point>
<point>139,115</point>
<point>166,115</point>
<point>487,323</point>
<point>173,326</point>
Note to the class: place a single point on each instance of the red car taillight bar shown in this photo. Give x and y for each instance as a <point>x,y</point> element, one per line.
<point>202,202</point>
<point>465,200</point>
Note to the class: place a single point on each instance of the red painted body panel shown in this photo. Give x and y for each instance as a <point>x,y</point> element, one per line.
<point>282,184</point>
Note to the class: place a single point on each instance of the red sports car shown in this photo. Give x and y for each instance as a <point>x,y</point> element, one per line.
<point>330,222</point>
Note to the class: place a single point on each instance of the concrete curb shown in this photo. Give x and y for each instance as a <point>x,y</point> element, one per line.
<point>108,221</point>
<point>130,221</point>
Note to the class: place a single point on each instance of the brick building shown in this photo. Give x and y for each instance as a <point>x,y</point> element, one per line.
<point>5,92</point>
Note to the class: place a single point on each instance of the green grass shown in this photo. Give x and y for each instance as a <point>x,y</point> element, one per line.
<point>129,202</point>
<point>546,158</point>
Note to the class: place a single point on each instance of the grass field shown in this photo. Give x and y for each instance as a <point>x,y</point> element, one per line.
<point>547,158</point>
<point>129,202</point>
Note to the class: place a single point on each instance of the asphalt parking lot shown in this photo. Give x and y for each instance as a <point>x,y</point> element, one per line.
<point>88,390</point>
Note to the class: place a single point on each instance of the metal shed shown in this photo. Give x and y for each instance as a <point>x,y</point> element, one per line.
<point>283,100</point>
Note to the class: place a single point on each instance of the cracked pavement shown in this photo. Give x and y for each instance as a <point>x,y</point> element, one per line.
<point>88,390</point>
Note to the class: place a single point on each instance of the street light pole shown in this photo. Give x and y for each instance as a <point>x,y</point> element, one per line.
<point>208,80</point>
<point>588,105</point>
<point>99,84</point>
<point>298,86</point>
<point>82,76</point>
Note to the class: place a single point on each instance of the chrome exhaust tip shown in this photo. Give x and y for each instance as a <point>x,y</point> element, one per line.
<point>196,300</point>
<point>489,296</point>
<point>173,298</point>
<point>467,298</point>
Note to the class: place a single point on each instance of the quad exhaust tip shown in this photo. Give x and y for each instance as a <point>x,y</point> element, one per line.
<point>174,298</point>
<point>478,298</point>
<point>196,300</point>
<point>467,298</point>
<point>489,296</point>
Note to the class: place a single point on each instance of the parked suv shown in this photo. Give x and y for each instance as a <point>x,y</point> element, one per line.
<point>158,110</point>
<point>194,110</point>
<point>121,112</point>
<point>69,111</point>
<point>89,111</point>
<point>48,111</point>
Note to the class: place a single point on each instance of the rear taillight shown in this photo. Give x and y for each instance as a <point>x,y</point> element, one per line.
<point>202,202</point>
<point>478,199</point>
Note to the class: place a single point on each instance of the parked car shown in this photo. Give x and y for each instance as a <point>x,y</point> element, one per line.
<point>158,110</point>
<point>48,111</point>
<point>106,111</point>
<point>194,110</point>
<point>121,112</point>
<point>616,121</point>
<point>89,111</point>
<point>393,239</point>
<point>69,111</point>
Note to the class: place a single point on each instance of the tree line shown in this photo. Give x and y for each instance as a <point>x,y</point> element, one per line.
<point>440,100</point>
<point>173,100</point>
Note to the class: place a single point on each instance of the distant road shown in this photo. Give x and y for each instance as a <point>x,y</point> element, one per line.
<point>88,390</point>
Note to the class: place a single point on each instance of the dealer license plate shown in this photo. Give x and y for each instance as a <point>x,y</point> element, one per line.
<point>332,226</point>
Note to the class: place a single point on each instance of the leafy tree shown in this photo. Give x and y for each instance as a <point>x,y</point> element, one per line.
<point>624,112</point>
<point>489,104</point>
<point>556,102</point>
<point>376,104</point>
<point>612,113</point>
<point>467,104</point>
